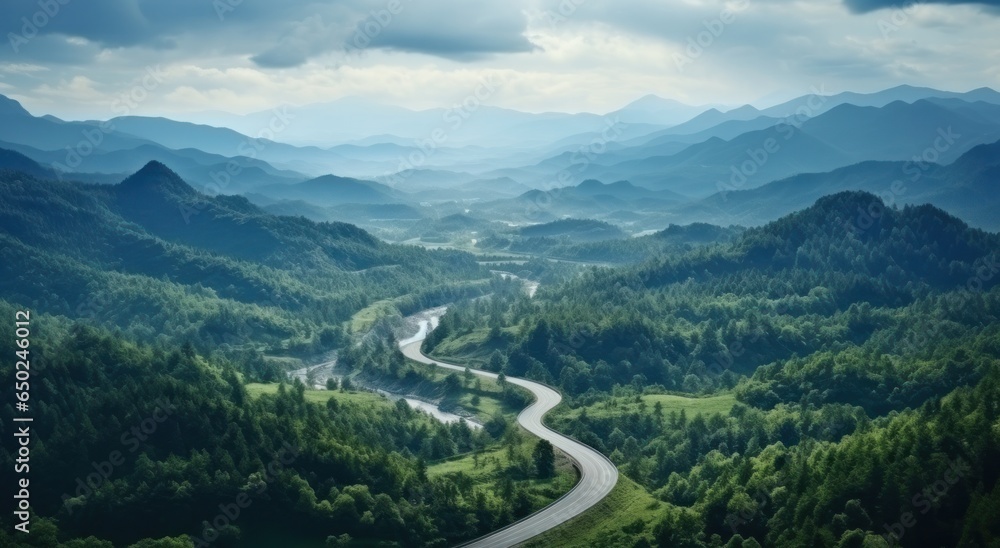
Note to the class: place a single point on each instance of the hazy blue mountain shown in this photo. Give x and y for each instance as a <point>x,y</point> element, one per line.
<point>360,118</point>
<point>19,158</point>
<point>418,180</point>
<point>583,230</point>
<point>652,109</point>
<point>713,117</point>
<point>177,135</point>
<point>842,136</point>
<point>901,130</point>
<point>724,130</point>
<point>478,190</point>
<point>591,199</point>
<point>969,188</point>
<point>617,189</point>
<point>330,190</point>
<point>815,104</point>
<point>17,125</point>
<point>104,151</point>
<point>161,202</point>
<point>15,161</point>
<point>730,123</point>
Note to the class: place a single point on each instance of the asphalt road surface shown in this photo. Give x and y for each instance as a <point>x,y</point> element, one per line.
<point>598,475</point>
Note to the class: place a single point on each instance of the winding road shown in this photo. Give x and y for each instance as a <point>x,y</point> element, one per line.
<point>598,475</point>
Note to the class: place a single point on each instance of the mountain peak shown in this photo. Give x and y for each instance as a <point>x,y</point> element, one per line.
<point>979,157</point>
<point>13,160</point>
<point>154,168</point>
<point>155,175</point>
<point>9,106</point>
<point>653,101</point>
<point>591,184</point>
<point>745,109</point>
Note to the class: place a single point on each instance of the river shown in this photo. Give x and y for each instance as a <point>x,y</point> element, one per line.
<point>422,322</point>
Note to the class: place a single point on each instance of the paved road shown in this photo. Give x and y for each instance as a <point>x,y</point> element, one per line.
<point>597,474</point>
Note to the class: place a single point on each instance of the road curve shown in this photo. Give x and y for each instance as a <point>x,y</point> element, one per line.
<point>598,475</point>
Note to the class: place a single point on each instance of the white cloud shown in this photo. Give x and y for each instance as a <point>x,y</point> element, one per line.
<point>596,58</point>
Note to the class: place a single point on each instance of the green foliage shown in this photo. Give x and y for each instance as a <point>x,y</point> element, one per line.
<point>185,438</point>
<point>544,459</point>
<point>851,374</point>
<point>161,262</point>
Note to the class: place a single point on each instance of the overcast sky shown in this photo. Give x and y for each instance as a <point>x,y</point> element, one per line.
<point>569,55</point>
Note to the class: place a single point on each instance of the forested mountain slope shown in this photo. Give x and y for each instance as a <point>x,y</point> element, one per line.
<point>841,366</point>
<point>153,256</point>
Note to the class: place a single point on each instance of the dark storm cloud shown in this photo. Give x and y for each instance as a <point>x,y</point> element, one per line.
<point>865,6</point>
<point>110,23</point>
<point>273,34</point>
<point>454,29</point>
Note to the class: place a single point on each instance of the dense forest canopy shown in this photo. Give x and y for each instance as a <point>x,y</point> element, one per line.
<point>857,346</point>
<point>153,305</point>
<point>828,379</point>
<point>155,258</point>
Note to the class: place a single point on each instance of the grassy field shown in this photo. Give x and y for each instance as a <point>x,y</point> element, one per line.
<point>363,319</point>
<point>489,402</point>
<point>485,467</point>
<point>719,404</point>
<point>628,512</point>
<point>321,396</point>
<point>487,405</point>
<point>474,348</point>
<point>708,405</point>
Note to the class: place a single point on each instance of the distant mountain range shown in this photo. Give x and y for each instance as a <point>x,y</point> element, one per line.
<point>841,136</point>
<point>672,162</point>
<point>968,188</point>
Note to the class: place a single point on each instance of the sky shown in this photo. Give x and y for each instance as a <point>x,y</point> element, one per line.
<point>97,59</point>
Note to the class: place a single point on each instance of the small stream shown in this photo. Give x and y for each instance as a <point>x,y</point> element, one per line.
<point>431,409</point>
<point>419,324</point>
<point>325,371</point>
<point>530,286</point>
<point>422,323</point>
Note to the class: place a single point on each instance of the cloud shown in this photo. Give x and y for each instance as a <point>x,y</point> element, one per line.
<point>452,29</point>
<point>865,6</point>
<point>272,34</point>
<point>301,41</point>
<point>568,55</point>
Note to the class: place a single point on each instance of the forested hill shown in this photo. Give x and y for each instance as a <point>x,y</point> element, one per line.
<point>829,379</point>
<point>153,446</point>
<point>153,256</point>
<point>839,272</point>
<point>163,204</point>
<point>850,240</point>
